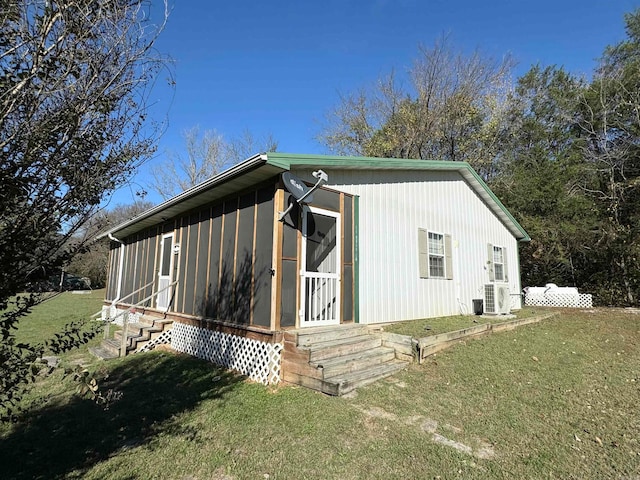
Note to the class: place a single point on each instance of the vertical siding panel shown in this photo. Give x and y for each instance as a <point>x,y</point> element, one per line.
<point>393,204</point>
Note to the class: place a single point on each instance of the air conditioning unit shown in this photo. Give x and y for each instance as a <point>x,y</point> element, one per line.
<point>497,299</point>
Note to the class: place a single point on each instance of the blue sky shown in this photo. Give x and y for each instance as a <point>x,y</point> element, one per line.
<point>277,66</point>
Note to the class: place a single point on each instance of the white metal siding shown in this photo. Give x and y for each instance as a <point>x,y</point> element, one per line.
<point>393,205</point>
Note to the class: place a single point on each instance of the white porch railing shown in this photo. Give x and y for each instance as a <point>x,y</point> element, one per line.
<point>322,299</point>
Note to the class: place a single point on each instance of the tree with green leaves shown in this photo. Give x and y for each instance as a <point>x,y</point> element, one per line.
<point>610,123</point>
<point>74,81</point>
<point>539,174</point>
<point>451,111</point>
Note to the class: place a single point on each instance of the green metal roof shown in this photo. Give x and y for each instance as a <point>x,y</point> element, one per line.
<point>263,166</point>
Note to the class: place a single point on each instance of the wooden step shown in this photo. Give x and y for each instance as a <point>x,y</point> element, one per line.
<point>103,353</point>
<point>343,346</point>
<point>311,336</point>
<point>138,334</point>
<point>113,346</point>
<point>359,360</point>
<point>347,382</point>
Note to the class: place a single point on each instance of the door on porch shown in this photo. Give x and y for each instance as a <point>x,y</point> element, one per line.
<point>164,274</point>
<point>320,274</point>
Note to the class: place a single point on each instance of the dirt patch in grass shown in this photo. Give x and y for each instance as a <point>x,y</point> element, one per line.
<point>431,429</point>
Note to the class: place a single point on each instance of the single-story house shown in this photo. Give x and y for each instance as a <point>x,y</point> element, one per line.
<point>237,261</point>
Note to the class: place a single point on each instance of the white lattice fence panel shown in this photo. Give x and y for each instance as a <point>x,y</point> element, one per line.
<point>162,339</point>
<point>260,361</point>
<point>582,300</point>
<point>109,312</point>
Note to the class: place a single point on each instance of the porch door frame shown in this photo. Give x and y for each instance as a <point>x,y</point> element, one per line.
<point>164,276</point>
<point>320,290</point>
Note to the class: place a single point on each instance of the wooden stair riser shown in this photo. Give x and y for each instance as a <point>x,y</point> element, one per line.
<point>353,363</point>
<point>113,346</point>
<point>355,380</point>
<point>365,343</point>
<point>311,339</point>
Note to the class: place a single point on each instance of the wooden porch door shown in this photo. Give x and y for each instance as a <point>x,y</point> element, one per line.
<point>164,274</point>
<point>320,274</point>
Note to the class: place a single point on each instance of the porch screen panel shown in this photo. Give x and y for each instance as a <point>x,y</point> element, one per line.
<point>179,273</point>
<point>262,259</point>
<point>211,309</point>
<point>190,251</point>
<point>242,281</point>
<point>225,289</point>
<point>150,266</point>
<point>326,199</point>
<point>138,269</point>
<point>202,263</point>
<point>127,277</point>
<point>290,230</point>
<point>347,297</point>
<point>142,266</point>
<point>288,298</point>
<point>112,284</point>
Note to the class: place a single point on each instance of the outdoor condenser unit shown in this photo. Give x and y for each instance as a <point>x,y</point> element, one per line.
<point>496,298</point>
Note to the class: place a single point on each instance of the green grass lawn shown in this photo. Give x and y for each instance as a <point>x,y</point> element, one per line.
<point>51,315</point>
<point>557,399</point>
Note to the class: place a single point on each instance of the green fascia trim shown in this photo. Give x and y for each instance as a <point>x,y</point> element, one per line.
<point>356,259</point>
<point>525,235</point>
<point>287,160</point>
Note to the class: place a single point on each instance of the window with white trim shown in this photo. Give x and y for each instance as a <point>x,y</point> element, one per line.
<point>436,255</point>
<point>499,264</point>
<point>434,250</point>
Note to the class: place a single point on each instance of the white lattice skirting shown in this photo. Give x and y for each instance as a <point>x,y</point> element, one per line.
<point>110,311</point>
<point>162,339</point>
<point>581,300</point>
<point>260,361</point>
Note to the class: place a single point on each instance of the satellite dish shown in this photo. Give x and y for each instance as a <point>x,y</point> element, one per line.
<point>296,187</point>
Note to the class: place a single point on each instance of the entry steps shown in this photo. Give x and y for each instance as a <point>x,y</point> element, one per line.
<point>139,333</point>
<point>337,360</point>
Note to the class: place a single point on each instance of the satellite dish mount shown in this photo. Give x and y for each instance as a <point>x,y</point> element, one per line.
<point>299,190</point>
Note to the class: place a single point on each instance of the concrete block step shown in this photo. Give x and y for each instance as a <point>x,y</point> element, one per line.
<point>343,346</point>
<point>335,366</point>
<point>311,336</point>
<point>347,382</point>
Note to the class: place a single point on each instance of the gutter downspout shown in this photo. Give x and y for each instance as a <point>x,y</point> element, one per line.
<point>120,268</point>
